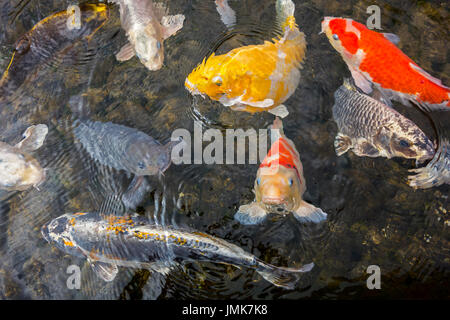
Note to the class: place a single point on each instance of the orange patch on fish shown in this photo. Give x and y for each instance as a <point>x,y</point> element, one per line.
<point>380,61</point>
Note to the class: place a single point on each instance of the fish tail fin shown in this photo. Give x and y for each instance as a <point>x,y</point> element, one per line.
<point>281,277</point>
<point>285,10</point>
<point>437,171</point>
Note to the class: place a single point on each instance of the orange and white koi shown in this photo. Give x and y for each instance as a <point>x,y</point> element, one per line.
<point>255,78</point>
<point>374,59</point>
<point>280,185</point>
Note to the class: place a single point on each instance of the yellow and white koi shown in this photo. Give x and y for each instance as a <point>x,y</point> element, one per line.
<point>255,78</point>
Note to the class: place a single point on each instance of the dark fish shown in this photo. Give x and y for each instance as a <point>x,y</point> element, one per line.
<point>371,128</point>
<point>130,241</point>
<point>124,148</point>
<point>50,40</point>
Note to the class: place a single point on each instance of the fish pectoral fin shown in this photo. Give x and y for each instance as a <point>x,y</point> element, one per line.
<point>280,111</point>
<point>136,192</point>
<point>250,214</point>
<point>126,52</point>
<point>366,149</point>
<point>306,212</point>
<point>33,139</point>
<point>361,81</point>
<point>342,144</point>
<point>392,38</point>
<point>172,24</point>
<point>105,271</point>
<point>162,267</point>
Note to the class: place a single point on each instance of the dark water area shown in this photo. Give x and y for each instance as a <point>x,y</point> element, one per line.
<point>374,216</point>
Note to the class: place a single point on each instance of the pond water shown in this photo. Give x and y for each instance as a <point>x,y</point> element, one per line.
<point>374,216</point>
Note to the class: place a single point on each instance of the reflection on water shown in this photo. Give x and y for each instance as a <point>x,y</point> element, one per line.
<point>374,217</point>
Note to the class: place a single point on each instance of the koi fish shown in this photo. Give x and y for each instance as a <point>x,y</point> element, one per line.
<point>18,170</point>
<point>280,185</point>
<point>372,129</point>
<point>49,40</point>
<point>374,60</point>
<point>255,78</point>
<point>147,25</point>
<point>123,148</point>
<point>128,149</point>
<point>130,241</point>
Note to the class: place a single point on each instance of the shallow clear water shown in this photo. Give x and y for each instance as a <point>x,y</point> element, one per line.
<point>374,218</point>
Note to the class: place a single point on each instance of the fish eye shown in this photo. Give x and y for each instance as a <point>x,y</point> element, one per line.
<point>258,181</point>
<point>291,182</point>
<point>335,37</point>
<point>141,165</point>
<point>404,143</point>
<point>217,81</point>
<point>23,46</point>
<point>158,44</point>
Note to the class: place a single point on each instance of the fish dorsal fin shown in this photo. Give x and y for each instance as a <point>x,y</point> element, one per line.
<point>395,39</point>
<point>34,138</point>
<point>105,271</point>
<point>427,75</point>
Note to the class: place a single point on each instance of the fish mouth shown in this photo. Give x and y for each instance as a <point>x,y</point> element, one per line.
<point>192,88</point>
<point>276,204</point>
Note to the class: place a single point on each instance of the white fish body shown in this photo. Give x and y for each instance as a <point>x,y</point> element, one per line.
<point>18,170</point>
<point>147,26</point>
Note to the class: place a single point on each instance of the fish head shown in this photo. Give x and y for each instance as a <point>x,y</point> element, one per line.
<point>405,140</point>
<point>412,144</point>
<point>278,189</point>
<point>208,78</point>
<point>149,47</point>
<point>148,159</point>
<point>57,233</point>
<point>344,35</point>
